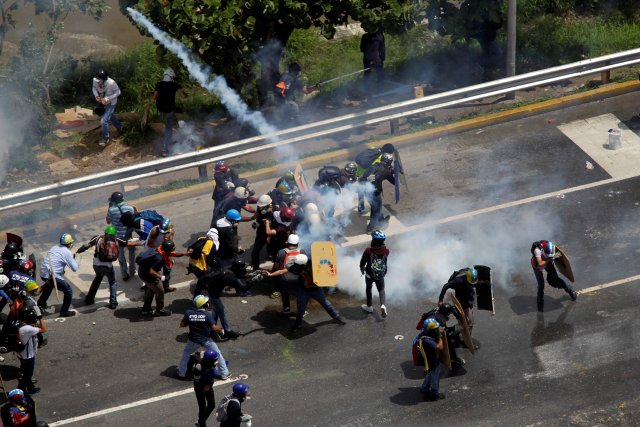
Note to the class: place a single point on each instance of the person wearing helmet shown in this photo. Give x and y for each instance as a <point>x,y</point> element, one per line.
<point>106,92</point>
<point>201,326</point>
<point>306,290</point>
<point>225,179</point>
<point>202,254</point>
<point>441,314</point>
<point>463,282</point>
<point>118,209</point>
<point>229,248</point>
<point>165,97</point>
<point>278,230</point>
<point>372,179</point>
<point>428,344</point>
<point>20,410</point>
<point>543,254</point>
<point>288,183</point>
<point>232,406</point>
<point>238,202</point>
<point>16,280</point>
<point>373,264</point>
<point>264,216</point>
<point>288,281</point>
<point>57,259</point>
<point>285,93</point>
<point>31,326</point>
<point>150,265</point>
<point>168,251</point>
<point>348,175</point>
<point>106,250</point>
<point>12,257</point>
<point>366,159</point>
<point>202,367</point>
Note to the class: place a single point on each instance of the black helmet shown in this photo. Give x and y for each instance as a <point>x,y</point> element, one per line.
<point>11,248</point>
<point>102,75</point>
<point>445,309</point>
<point>168,246</point>
<point>127,219</point>
<point>116,197</point>
<point>351,168</point>
<point>294,67</point>
<point>239,268</point>
<point>388,148</point>
<point>386,159</point>
<point>28,315</point>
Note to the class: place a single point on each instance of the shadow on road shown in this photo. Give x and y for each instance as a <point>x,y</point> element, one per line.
<point>407,396</point>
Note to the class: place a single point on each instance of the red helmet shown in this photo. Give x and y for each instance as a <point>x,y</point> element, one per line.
<point>26,266</point>
<point>287,214</point>
<point>221,166</point>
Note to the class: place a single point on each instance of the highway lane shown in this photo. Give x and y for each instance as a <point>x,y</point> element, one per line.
<point>575,364</point>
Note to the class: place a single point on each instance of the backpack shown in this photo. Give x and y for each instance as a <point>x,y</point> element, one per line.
<point>149,215</point>
<point>367,157</point>
<point>329,173</point>
<point>221,409</point>
<point>107,249</point>
<point>197,247</point>
<point>378,264</point>
<point>537,244</point>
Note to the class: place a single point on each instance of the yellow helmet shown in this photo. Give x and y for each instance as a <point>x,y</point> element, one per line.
<point>31,286</point>
<point>200,300</point>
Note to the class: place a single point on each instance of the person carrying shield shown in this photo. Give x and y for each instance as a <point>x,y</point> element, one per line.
<point>543,254</point>
<point>463,283</point>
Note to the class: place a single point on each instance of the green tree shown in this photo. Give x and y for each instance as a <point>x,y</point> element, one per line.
<point>242,40</point>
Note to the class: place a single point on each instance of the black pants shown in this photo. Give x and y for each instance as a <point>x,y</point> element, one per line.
<point>206,403</point>
<point>379,286</point>
<point>258,244</point>
<point>27,366</point>
<point>553,279</point>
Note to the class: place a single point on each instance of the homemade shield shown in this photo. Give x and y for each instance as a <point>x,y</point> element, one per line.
<point>445,357</point>
<point>301,180</point>
<point>484,289</point>
<point>563,264</point>
<point>324,264</point>
<point>466,335</point>
<point>398,175</point>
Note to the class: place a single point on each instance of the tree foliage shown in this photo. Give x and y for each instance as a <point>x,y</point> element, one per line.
<point>234,37</point>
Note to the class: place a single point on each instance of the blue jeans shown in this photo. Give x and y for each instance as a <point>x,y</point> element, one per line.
<point>305,294</point>
<point>553,279</point>
<point>191,347</point>
<point>101,271</point>
<point>217,310</point>
<point>63,286</point>
<point>109,117</point>
<point>431,384</point>
<point>376,211</point>
<point>169,120</point>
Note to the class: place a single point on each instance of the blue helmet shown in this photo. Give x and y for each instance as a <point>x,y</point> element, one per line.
<point>378,235</point>
<point>472,275</point>
<point>233,215</point>
<point>240,389</point>
<point>66,239</point>
<point>16,395</point>
<point>166,225</point>
<point>430,324</point>
<point>211,354</point>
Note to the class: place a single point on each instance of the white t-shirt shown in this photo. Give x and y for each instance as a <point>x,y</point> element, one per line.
<point>29,337</point>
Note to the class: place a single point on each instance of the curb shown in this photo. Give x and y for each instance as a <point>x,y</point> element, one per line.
<point>612,89</point>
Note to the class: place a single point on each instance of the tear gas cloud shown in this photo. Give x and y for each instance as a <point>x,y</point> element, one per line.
<point>202,73</point>
<point>13,127</point>
<point>421,261</point>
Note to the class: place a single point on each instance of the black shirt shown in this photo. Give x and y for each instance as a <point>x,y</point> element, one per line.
<point>166,100</point>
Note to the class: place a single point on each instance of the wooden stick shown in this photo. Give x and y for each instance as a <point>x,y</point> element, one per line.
<point>53,277</point>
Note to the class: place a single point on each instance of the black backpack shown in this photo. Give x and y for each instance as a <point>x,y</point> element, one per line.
<point>367,157</point>
<point>329,173</point>
<point>196,248</point>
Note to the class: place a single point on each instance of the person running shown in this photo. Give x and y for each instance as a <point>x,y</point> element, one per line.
<point>373,265</point>
<point>60,257</point>
<point>376,174</point>
<point>543,254</point>
<point>463,283</point>
<point>201,324</point>
<point>106,251</point>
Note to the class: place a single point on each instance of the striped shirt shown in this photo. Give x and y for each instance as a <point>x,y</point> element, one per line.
<point>113,216</point>
<point>61,257</point>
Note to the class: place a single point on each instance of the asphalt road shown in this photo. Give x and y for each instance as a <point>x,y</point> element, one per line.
<point>480,197</point>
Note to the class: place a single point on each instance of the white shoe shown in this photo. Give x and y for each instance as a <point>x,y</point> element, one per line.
<point>367,308</point>
<point>383,310</point>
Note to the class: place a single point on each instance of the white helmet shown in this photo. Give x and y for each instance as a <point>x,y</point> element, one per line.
<point>264,200</point>
<point>293,239</point>
<point>241,193</point>
<point>311,208</point>
<point>169,73</point>
<point>301,259</point>
<point>3,280</point>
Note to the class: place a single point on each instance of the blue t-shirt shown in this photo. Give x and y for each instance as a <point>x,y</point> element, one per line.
<point>200,322</point>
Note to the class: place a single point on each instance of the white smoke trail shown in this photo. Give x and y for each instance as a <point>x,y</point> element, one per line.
<point>202,73</point>
<point>13,125</point>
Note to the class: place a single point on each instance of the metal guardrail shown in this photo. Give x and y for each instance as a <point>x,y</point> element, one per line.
<point>318,129</point>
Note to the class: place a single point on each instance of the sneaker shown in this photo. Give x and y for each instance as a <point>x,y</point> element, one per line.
<point>225,377</point>
<point>574,295</point>
<point>219,338</point>
<point>383,310</point>
<point>127,277</point>
<point>169,289</point>
<point>146,312</point>
<point>164,312</point>
<point>367,308</point>
<point>286,311</point>
<point>113,305</point>
<point>43,309</point>
<point>89,301</point>
<point>458,360</point>
<point>305,314</point>
<point>103,143</point>
<point>232,335</point>
<point>340,321</point>
<point>68,313</point>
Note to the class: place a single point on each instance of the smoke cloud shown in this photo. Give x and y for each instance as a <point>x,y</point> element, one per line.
<point>13,127</point>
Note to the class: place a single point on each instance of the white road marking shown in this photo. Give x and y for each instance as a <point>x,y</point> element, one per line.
<point>592,134</point>
<point>608,285</point>
<point>141,402</point>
